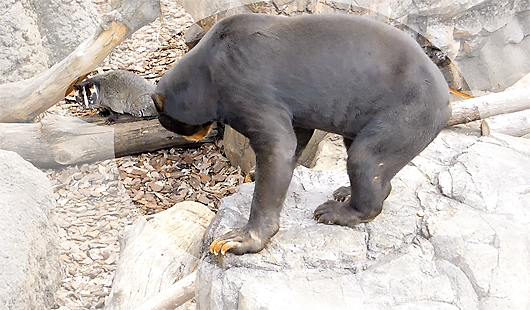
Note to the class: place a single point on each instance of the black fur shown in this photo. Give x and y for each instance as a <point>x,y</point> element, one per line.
<point>276,79</point>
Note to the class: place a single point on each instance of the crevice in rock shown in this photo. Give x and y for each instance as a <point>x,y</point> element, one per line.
<point>469,278</point>
<point>4,12</point>
<point>370,254</point>
<point>422,229</point>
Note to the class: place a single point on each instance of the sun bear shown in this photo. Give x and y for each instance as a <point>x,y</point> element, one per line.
<point>275,79</point>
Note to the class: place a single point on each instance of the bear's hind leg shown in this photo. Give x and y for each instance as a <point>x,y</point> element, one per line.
<point>378,152</point>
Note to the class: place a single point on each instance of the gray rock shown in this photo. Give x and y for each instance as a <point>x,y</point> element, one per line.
<point>453,234</point>
<point>61,32</point>
<point>37,34</point>
<point>193,35</point>
<point>29,265</point>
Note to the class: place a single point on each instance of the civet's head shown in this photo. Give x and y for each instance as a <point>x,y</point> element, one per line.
<point>87,94</point>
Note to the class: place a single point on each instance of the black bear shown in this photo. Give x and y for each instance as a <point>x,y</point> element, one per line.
<point>276,79</point>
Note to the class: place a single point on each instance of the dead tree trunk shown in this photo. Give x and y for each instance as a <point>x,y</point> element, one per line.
<point>173,296</point>
<point>486,106</point>
<point>156,252</point>
<point>515,124</point>
<point>60,140</point>
<point>22,101</point>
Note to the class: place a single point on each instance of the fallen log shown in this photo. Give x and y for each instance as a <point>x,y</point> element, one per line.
<point>60,140</point>
<point>173,296</point>
<point>157,254</point>
<point>515,124</point>
<point>22,101</point>
<point>509,101</point>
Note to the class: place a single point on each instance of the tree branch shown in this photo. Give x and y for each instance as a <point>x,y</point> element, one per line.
<point>486,106</point>
<point>22,101</point>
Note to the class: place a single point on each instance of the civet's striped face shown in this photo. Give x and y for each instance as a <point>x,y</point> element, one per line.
<point>86,94</point>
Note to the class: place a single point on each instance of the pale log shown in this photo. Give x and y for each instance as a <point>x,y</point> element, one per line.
<point>157,252</point>
<point>173,296</point>
<point>515,124</point>
<point>493,104</point>
<point>22,101</point>
<point>61,140</point>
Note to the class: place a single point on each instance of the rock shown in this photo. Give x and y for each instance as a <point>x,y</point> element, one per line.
<point>37,34</point>
<point>208,12</point>
<point>30,272</point>
<point>330,154</point>
<point>62,33</point>
<point>193,35</point>
<point>453,234</point>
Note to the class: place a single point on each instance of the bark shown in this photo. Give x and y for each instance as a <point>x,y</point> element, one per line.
<point>173,296</point>
<point>490,105</point>
<point>158,257</point>
<point>515,124</point>
<point>60,140</point>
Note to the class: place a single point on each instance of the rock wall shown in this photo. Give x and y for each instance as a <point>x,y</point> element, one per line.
<point>36,34</point>
<point>488,40</point>
<point>453,234</point>
<point>30,272</point>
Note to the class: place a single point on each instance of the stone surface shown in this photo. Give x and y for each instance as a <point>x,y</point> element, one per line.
<point>488,40</point>
<point>193,35</point>
<point>37,34</point>
<point>330,154</point>
<point>56,27</point>
<point>453,234</point>
<point>30,271</point>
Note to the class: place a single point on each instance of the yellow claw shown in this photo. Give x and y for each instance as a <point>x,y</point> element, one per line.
<point>219,246</point>
<point>222,246</point>
<point>212,246</point>
<point>227,246</point>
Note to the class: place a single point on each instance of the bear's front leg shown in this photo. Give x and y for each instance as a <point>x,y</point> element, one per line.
<point>275,149</point>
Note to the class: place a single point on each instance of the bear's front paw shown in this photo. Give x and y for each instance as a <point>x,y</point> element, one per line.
<point>239,242</point>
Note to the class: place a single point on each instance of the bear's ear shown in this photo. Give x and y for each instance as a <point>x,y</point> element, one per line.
<point>159,101</point>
